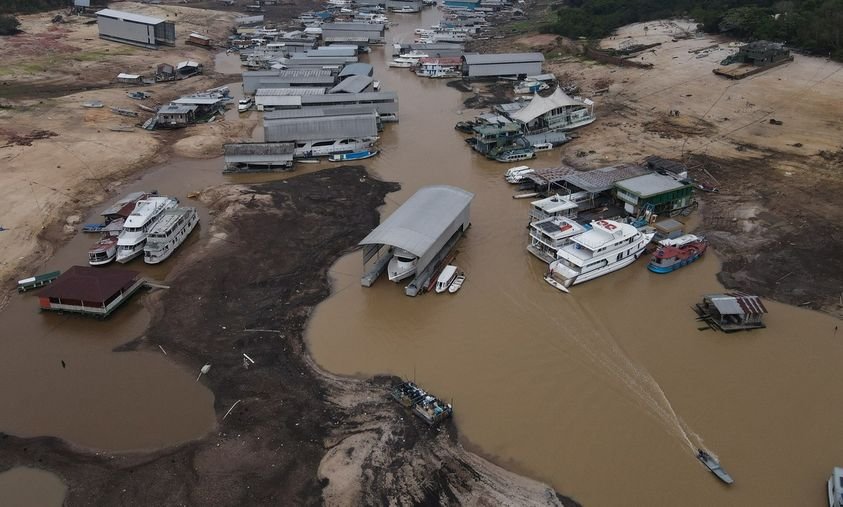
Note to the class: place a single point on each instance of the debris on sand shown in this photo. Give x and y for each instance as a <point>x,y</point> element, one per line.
<point>14,139</point>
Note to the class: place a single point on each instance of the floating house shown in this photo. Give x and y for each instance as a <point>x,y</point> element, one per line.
<point>557,111</point>
<point>761,53</point>
<point>427,226</point>
<point>124,78</point>
<point>289,78</point>
<point>90,291</point>
<point>360,33</point>
<point>356,69</point>
<point>175,115</point>
<point>732,311</point>
<point>520,65</point>
<point>654,192</point>
<point>135,29</point>
<point>257,157</point>
<point>353,84</point>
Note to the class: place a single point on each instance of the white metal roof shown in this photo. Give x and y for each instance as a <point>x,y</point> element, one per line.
<point>650,184</point>
<point>418,223</point>
<point>128,76</point>
<point>130,16</point>
<point>480,59</point>
<point>352,84</point>
<point>542,105</point>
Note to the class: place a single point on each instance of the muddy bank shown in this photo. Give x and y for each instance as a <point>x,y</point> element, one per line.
<point>296,435</point>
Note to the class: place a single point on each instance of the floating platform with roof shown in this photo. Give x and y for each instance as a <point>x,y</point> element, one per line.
<point>428,226</point>
<point>732,311</point>
<point>90,291</point>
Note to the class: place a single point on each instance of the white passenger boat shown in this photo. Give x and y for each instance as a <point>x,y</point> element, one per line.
<point>133,236</point>
<point>835,488</point>
<point>401,265</point>
<point>608,246</point>
<point>403,63</point>
<point>327,147</point>
<point>105,250</point>
<point>547,236</point>
<point>446,277</point>
<point>168,233</point>
<point>244,105</point>
<point>517,174</point>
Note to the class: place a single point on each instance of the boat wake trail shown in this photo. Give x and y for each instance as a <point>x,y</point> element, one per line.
<point>577,325</point>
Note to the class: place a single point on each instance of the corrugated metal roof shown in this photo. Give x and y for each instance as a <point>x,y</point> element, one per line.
<point>177,108</point>
<point>315,112</point>
<point>353,84</point>
<point>322,128</point>
<point>288,92</point>
<point>737,303</point>
<point>361,27</point>
<point>316,80</point>
<point>496,58</point>
<point>292,101</point>
<point>263,149</point>
<point>602,179</point>
<point>357,69</point>
<point>351,97</point>
<point>95,285</point>
<point>204,101</point>
<point>130,16</point>
<point>418,223</point>
<point>648,185</point>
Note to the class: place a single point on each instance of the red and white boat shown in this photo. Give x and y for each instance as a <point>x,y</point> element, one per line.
<point>105,250</point>
<point>673,254</point>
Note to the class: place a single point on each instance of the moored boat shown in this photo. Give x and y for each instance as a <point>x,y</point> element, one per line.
<point>712,464</point>
<point>457,283</point>
<point>446,277</point>
<point>310,149</point>
<point>401,265</point>
<point>132,238</point>
<point>608,246</point>
<point>673,254</point>
<point>516,155</point>
<point>357,155</point>
<point>835,488</point>
<point>168,233</point>
<point>403,63</point>
<point>105,250</point>
<point>516,174</point>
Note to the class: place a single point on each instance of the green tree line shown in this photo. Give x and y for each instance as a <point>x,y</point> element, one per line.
<point>812,25</point>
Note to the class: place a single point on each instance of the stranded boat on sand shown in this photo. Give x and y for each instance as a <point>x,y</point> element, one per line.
<point>428,407</point>
<point>168,233</point>
<point>673,254</point>
<point>133,237</point>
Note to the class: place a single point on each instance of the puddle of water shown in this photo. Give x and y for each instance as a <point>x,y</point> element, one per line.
<point>31,487</point>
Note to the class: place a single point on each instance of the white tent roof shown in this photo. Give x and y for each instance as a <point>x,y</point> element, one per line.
<point>541,105</point>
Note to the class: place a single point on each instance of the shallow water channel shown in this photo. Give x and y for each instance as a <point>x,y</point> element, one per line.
<point>603,393</point>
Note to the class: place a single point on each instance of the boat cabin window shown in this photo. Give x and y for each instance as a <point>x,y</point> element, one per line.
<point>405,259</point>
<point>323,143</point>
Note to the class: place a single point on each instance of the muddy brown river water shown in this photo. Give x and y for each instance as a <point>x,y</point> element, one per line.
<point>603,393</point>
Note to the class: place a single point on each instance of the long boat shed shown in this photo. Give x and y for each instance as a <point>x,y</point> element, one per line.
<point>477,66</point>
<point>427,225</point>
<point>320,128</point>
<point>135,29</point>
<point>257,157</point>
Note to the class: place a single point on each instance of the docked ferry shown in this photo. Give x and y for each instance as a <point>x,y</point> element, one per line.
<point>168,233</point>
<point>133,236</point>
<point>608,246</point>
<point>401,265</point>
<point>673,254</point>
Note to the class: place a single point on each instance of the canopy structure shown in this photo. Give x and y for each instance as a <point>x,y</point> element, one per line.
<point>543,105</point>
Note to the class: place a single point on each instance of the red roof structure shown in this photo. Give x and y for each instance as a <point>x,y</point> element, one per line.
<point>93,286</point>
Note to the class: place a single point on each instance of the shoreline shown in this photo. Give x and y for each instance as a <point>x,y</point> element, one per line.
<point>309,434</point>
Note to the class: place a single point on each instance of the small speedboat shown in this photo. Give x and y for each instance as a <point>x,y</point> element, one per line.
<point>357,155</point>
<point>457,284</point>
<point>542,147</point>
<point>714,465</point>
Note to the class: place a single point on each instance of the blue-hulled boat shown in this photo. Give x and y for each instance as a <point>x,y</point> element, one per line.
<point>357,155</point>
<point>673,254</point>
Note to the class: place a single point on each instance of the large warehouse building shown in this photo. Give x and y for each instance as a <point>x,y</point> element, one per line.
<point>427,226</point>
<point>135,29</point>
<point>477,66</point>
<point>323,128</point>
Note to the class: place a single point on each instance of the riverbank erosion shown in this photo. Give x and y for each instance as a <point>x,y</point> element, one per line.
<point>287,432</point>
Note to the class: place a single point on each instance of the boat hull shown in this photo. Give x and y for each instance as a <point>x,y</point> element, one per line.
<point>156,259</point>
<point>655,268</point>
<point>123,258</point>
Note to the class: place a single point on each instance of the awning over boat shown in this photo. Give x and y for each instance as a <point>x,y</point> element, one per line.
<point>420,222</point>
<point>542,105</point>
